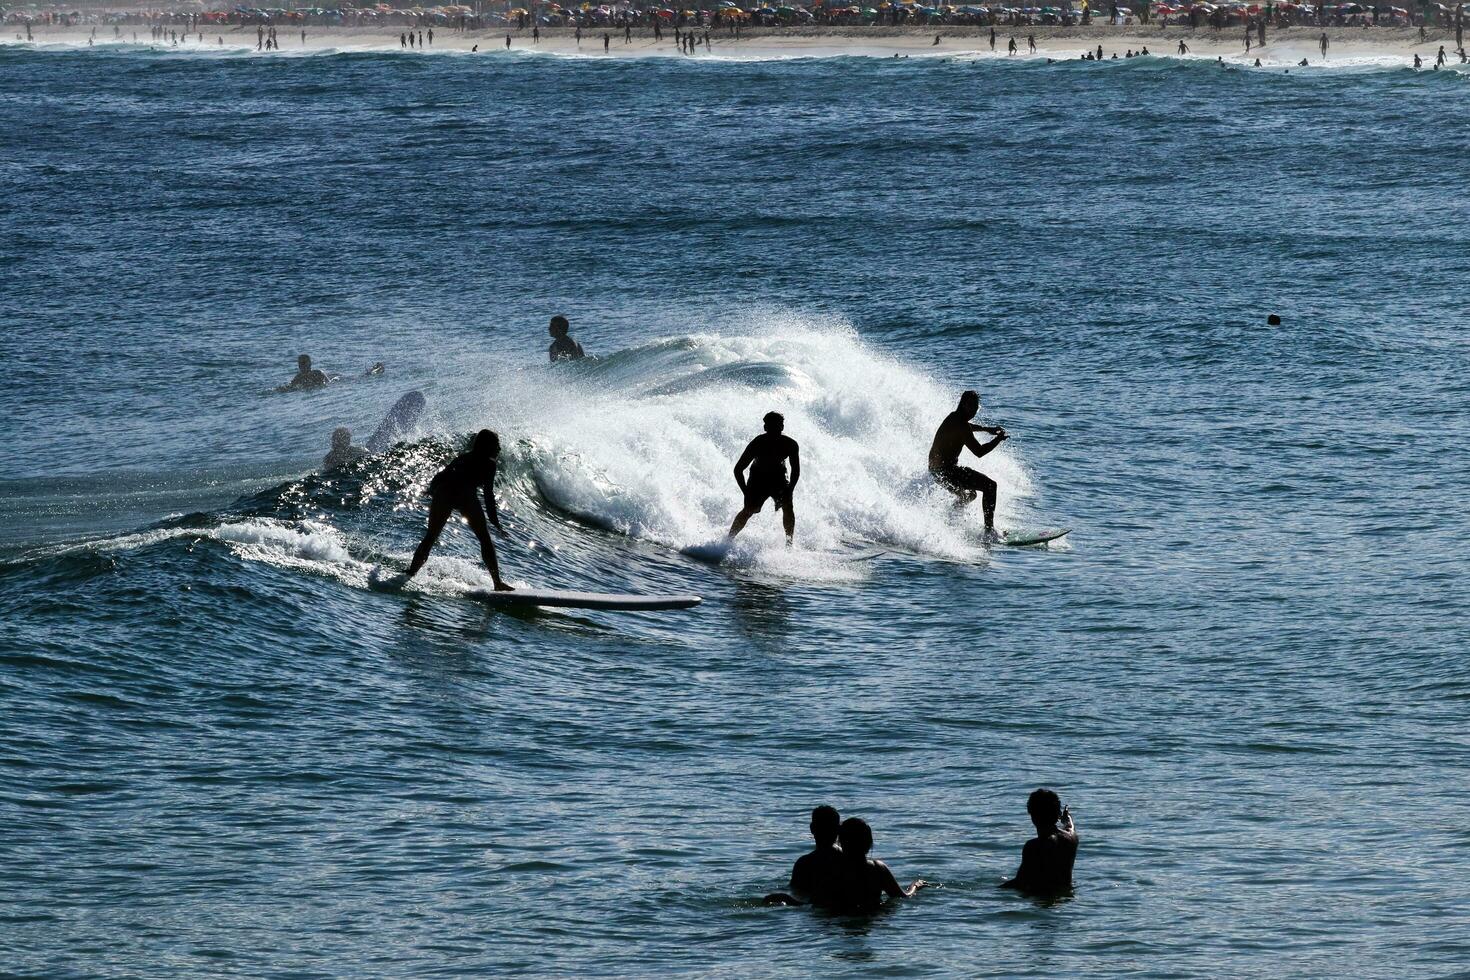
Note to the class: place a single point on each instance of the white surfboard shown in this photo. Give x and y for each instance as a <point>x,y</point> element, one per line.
<point>1028,539</point>
<point>582,600</point>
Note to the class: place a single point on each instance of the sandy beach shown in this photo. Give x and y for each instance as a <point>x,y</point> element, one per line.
<point>1286,46</point>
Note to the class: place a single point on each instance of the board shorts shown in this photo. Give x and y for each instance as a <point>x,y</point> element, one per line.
<point>760,489</point>
<point>959,479</point>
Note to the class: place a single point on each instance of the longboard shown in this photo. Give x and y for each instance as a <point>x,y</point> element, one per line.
<point>716,552</point>
<point>379,581</point>
<point>582,600</point>
<point>1025,539</point>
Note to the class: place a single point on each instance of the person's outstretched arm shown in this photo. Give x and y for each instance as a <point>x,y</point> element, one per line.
<point>891,885</point>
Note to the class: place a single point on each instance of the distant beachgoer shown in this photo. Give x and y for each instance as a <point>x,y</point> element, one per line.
<point>1423,34</point>
<point>1440,59</point>
<point>1322,43</point>
<point>1099,53</point>
<point>955,434</point>
<point>474,48</point>
<point>578,35</point>
<point>402,40</point>
<point>303,39</point>
<point>343,452</point>
<point>606,43</point>
<point>1047,859</point>
<point>814,875</point>
<point>1183,48</point>
<point>1031,43</point>
<point>1247,40</point>
<point>1417,63</point>
<point>1258,62</point>
<point>411,42</point>
<point>1303,62</point>
<point>507,42</point>
<point>456,488</point>
<point>936,41</point>
<point>1011,48</point>
<point>307,377</point>
<point>627,33</point>
<point>861,883</point>
<point>401,419</point>
<point>992,39</point>
<point>766,455</point>
<point>563,347</point>
<point>431,35</point>
<point>536,34</point>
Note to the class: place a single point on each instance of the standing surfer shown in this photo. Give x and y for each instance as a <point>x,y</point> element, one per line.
<point>455,489</point>
<point>957,433</point>
<point>766,456</point>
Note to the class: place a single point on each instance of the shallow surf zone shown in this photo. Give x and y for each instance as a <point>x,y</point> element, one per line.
<point>644,442</point>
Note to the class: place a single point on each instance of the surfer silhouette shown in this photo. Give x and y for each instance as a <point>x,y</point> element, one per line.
<point>766,456</point>
<point>455,488</point>
<point>860,882</point>
<point>814,874</point>
<point>957,433</point>
<point>1047,859</point>
<point>307,377</point>
<point>343,453</point>
<point>563,347</point>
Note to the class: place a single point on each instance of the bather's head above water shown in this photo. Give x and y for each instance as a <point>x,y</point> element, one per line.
<point>775,422</point>
<point>969,404</point>
<point>560,326</point>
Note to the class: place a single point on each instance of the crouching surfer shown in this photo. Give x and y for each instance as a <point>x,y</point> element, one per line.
<point>957,433</point>
<point>457,488</point>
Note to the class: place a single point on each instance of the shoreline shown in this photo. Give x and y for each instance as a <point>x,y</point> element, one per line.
<point>1285,46</point>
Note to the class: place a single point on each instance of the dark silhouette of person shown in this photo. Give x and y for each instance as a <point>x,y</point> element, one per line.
<point>399,421</point>
<point>307,377</point>
<point>343,452</point>
<point>766,456</point>
<point>813,875</point>
<point>1047,859</point>
<point>455,489</point>
<point>563,347</point>
<point>861,883</point>
<point>957,433</point>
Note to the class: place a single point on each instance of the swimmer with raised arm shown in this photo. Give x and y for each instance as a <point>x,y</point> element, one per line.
<point>861,883</point>
<point>1047,859</point>
<point>957,433</point>
<point>766,455</point>
<point>457,488</point>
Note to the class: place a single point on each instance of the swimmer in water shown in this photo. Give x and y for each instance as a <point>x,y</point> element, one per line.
<point>861,883</point>
<point>455,488</point>
<point>563,347</point>
<point>307,377</point>
<point>813,875</point>
<point>957,433</point>
<point>766,455</point>
<point>343,453</point>
<point>1047,859</point>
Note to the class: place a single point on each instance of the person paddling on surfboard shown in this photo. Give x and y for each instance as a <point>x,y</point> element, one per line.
<point>766,456</point>
<point>455,488</point>
<point>957,433</point>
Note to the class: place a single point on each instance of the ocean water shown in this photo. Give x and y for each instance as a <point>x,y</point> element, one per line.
<point>1244,668</point>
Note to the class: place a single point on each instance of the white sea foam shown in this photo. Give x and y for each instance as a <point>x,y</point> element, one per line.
<point>652,456</point>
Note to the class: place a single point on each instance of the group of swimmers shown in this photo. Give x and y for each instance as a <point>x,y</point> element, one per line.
<point>838,875</point>
<point>760,473</point>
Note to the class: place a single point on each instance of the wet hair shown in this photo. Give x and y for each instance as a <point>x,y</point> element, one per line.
<point>303,361</point>
<point>560,326</point>
<point>341,436</point>
<point>856,837</point>
<point>825,822</point>
<point>1044,806</point>
<point>971,396</point>
<point>774,420</point>
<point>486,441</point>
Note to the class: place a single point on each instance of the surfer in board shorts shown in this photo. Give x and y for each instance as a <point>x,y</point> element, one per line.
<point>957,433</point>
<point>457,488</point>
<point>766,456</point>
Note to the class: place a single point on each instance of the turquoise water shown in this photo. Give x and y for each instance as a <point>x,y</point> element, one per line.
<point>219,752</point>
